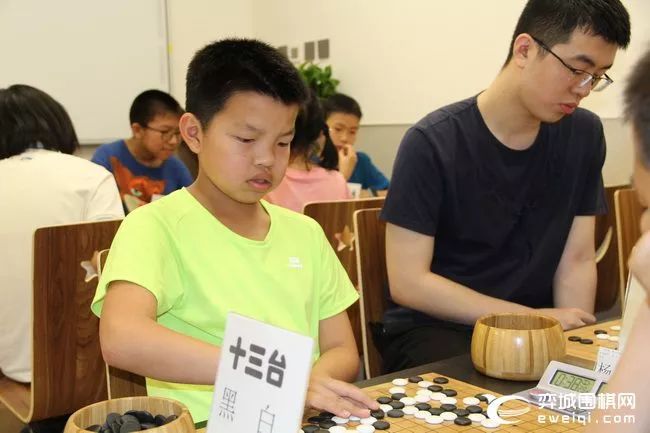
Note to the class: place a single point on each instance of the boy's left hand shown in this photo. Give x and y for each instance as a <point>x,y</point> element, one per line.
<point>338,397</point>
<point>639,262</point>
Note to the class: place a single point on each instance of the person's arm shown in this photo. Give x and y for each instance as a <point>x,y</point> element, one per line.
<point>574,283</point>
<point>132,340</point>
<point>376,179</point>
<point>338,364</point>
<point>412,284</point>
<point>101,157</point>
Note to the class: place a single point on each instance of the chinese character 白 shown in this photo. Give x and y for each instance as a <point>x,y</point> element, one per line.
<point>266,421</point>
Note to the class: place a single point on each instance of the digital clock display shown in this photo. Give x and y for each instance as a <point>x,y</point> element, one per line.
<point>572,382</point>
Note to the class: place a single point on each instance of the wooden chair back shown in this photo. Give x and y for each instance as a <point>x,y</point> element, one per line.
<point>121,383</point>
<point>68,371</point>
<point>607,261</point>
<point>335,217</point>
<point>628,217</point>
<point>370,244</point>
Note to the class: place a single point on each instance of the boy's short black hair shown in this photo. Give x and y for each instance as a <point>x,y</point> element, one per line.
<point>340,103</point>
<point>225,67</point>
<point>152,103</point>
<point>30,117</point>
<point>637,104</point>
<point>553,21</point>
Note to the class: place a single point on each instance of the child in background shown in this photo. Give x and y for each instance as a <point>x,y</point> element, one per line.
<point>144,165</point>
<point>632,370</point>
<point>179,265</point>
<point>41,184</point>
<point>304,180</point>
<point>343,115</point>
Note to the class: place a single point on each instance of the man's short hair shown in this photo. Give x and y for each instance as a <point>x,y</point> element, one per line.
<point>553,21</point>
<point>340,103</point>
<point>152,103</point>
<point>637,104</point>
<point>229,66</point>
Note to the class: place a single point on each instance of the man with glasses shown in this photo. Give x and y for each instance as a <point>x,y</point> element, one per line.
<point>493,199</point>
<point>144,166</point>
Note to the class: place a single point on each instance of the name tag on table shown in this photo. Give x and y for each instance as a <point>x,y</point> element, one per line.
<point>606,363</point>
<point>262,379</point>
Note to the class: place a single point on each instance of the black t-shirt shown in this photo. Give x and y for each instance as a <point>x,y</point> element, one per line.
<point>500,217</point>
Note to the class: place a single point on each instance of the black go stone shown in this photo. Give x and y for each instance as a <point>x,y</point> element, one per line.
<point>130,427</point>
<point>310,428</point>
<point>329,415</point>
<point>481,397</point>
<point>381,425</point>
<point>94,428</point>
<point>600,331</point>
<point>327,424</point>
<point>440,380</point>
<point>395,413</point>
<point>574,338</point>
<point>384,400</point>
<point>415,379</point>
<point>142,415</point>
<point>436,411</point>
<point>461,412</point>
<point>396,404</point>
<point>147,425</point>
<point>586,341</point>
<point>159,420</point>
<point>422,406</point>
<point>461,420</point>
<point>448,407</point>
<point>474,409</point>
<point>449,392</point>
<point>171,418</point>
<point>398,396</point>
<point>435,388</point>
<point>379,414</point>
<point>321,430</point>
<point>316,419</point>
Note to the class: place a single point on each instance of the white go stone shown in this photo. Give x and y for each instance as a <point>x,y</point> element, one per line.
<point>397,390</point>
<point>337,429</point>
<point>448,416</point>
<point>476,417</point>
<point>370,420</point>
<point>471,401</point>
<point>408,401</point>
<point>613,338</point>
<point>400,382</point>
<point>437,396</point>
<point>339,420</point>
<point>354,418</point>
<point>490,423</point>
<point>602,336</point>
<point>423,392</point>
<point>422,398</point>
<point>365,428</point>
<point>422,414</point>
<point>410,410</point>
<point>385,407</point>
<point>434,419</point>
<point>615,328</point>
<point>448,400</point>
<point>425,384</point>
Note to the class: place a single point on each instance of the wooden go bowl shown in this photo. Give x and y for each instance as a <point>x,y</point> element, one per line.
<point>516,346</point>
<point>96,414</point>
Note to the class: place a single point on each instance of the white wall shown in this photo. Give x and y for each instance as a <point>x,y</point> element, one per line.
<point>193,24</point>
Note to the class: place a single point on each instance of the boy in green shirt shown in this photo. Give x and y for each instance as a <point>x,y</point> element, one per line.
<point>178,265</point>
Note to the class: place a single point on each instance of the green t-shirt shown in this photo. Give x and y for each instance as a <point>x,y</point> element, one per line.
<point>199,270</point>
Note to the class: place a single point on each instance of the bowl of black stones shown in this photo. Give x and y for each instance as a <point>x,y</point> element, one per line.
<point>132,414</point>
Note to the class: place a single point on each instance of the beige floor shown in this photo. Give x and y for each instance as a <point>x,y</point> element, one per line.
<point>8,422</point>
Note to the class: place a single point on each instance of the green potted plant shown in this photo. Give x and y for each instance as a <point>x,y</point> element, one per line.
<point>319,78</point>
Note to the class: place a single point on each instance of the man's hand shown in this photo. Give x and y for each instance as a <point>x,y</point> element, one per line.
<point>338,397</point>
<point>569,318</point>
<point>347,160</point>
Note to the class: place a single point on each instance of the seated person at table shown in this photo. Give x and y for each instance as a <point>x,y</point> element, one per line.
<point>631,374</point>
<point>180,264</point>
<point>493,199</point>
<point>343,115</point>
<point>41,184</point>
<point>305,180</point>
<point>144,165</point>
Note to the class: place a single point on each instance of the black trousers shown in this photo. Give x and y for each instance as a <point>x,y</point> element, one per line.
<point>420,344</point>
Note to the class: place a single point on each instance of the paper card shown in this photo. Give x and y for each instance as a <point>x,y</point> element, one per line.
<point>355,189</point>
<point>262,379</point>
<point>606,363</point>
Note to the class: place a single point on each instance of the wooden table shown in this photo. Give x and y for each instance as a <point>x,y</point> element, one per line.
<point>585,355</point>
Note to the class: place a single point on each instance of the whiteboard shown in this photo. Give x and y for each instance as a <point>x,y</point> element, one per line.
<point>93,56</point>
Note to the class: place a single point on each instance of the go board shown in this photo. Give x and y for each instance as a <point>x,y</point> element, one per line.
<point>589,352</point>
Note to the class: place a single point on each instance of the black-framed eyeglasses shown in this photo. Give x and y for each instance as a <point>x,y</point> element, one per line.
<point>598,83</point>
<point>166,135</point>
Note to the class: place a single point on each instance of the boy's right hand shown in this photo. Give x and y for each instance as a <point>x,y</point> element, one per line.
<point>338,397</point>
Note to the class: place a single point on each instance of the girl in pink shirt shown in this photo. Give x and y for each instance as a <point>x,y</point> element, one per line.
<point>306,180</point>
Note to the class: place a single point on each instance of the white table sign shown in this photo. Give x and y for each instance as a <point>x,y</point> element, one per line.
<point>262,379</point>
<point>606,363</point>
